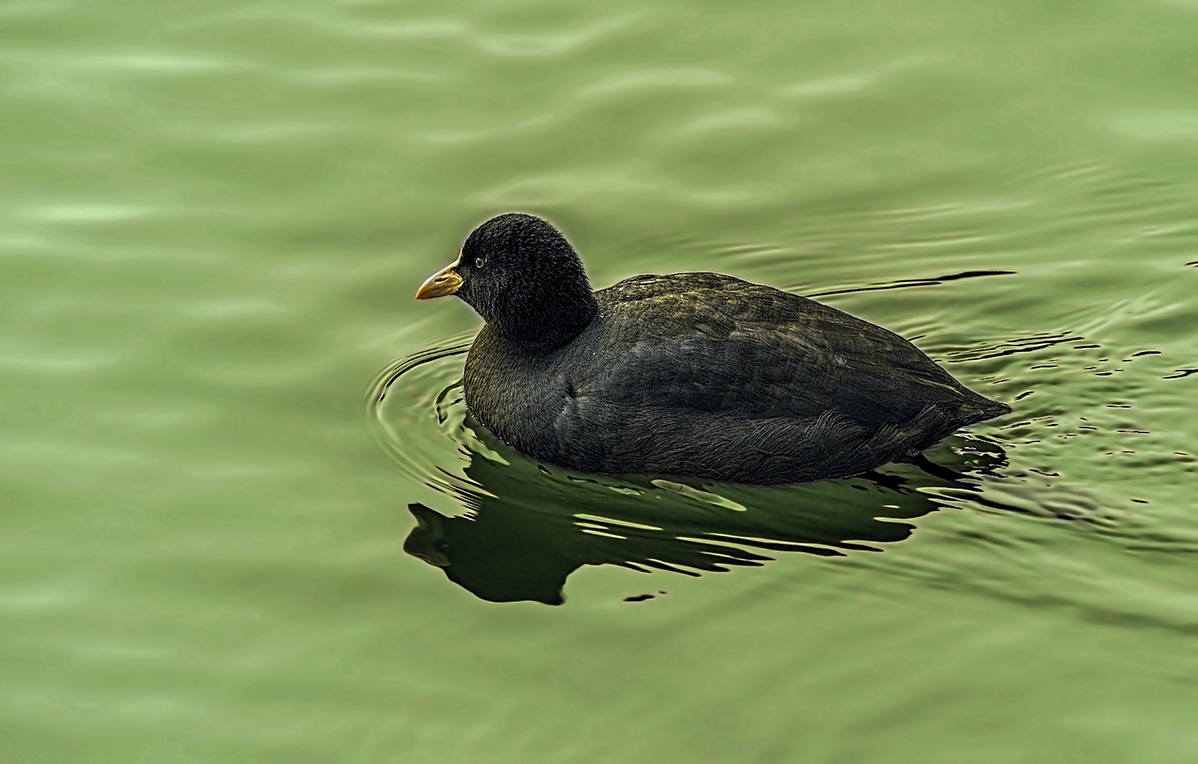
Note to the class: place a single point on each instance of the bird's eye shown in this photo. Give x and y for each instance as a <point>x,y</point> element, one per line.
<point>479,262</point>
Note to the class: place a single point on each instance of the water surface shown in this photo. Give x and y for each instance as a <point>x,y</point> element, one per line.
<point>222,543</point>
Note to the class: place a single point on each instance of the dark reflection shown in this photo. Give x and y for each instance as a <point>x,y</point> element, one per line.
<point>527,529</point>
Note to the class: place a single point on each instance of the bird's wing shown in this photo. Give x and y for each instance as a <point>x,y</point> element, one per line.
<point>712,343</point>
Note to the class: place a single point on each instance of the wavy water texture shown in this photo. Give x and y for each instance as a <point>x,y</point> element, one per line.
<point>212,220</point>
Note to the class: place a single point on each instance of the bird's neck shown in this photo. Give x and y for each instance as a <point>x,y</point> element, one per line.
<point>546,324</point>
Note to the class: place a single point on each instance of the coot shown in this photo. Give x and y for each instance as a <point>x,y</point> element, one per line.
<point>690,374</point>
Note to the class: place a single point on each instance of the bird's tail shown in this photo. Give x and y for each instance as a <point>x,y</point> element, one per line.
<point>980,408</point>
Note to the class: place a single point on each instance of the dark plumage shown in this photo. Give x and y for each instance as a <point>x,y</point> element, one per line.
<point>691,374</point>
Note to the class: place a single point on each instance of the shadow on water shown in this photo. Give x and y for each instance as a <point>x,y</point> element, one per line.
<point>517,530</point>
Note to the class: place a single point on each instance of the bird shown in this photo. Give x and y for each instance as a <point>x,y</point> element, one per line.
<point>692,375</point>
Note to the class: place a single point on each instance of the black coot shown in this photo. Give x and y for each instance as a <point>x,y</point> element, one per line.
<point>691,374</point>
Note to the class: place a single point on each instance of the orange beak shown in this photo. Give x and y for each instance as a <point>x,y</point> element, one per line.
<point>443,282</point>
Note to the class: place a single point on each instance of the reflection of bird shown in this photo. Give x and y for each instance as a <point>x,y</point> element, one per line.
<point>525,532</point>
<point>694,374</point>
<point>521,545</point>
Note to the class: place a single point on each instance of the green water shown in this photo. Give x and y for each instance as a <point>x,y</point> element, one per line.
<point>221,542</point>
